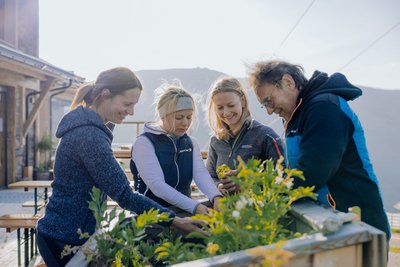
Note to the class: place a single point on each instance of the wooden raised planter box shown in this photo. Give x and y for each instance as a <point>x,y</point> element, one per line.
<point>332,242</point>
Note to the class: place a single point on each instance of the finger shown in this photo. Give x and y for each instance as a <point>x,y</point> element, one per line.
<point>225,181</point>
<point>198,222</point>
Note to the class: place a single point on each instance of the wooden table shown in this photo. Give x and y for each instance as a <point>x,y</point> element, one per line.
<point>26,185</point>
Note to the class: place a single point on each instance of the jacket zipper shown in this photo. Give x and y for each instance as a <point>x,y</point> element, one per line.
<point>175,158</point>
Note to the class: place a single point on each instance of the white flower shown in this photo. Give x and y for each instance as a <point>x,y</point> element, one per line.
<point>243,202</point>
<point>236,214</point>
<point>278,180</point>
<point>289,183</point>
<point>240,204</point>
<point>260,203</point>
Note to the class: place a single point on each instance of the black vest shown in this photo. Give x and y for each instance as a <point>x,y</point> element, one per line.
<point>176,160</point>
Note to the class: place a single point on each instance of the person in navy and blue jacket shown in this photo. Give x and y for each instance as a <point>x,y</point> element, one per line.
<point>324,137</point>
<point>165,159</point>
<point>84,159</point>
<point>235,133</point>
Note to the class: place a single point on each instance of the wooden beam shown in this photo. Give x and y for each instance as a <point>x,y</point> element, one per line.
<point>38,104</point>
<point>20,68</point>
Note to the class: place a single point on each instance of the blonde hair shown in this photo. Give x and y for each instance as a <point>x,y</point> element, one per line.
<point>116,80</point>
<point>168,97</point>
<point>226,84</point>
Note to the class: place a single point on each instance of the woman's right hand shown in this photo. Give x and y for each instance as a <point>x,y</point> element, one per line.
<point>188,225</point>
<point>226,185</point>
<point>201,209</point>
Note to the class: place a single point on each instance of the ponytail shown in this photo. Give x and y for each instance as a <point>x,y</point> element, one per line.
<point>83,97</point>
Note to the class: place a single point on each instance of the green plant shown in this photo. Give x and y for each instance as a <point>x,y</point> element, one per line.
<point>45,146</point>
<point>120,240</point>
<point>256,216</point>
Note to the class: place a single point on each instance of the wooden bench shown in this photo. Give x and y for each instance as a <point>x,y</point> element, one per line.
<point>30,204</point>
<point>28,222</point>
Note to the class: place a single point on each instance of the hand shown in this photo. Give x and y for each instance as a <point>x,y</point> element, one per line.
<point>216,203</point>
<point>227,186</point>
<point>201,209</point>
<point>187,225</point>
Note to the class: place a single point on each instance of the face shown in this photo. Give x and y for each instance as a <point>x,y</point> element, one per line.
<point>116,108</point>
<point>281,101</point>
<point>177,123</point>
<point>228,107</point>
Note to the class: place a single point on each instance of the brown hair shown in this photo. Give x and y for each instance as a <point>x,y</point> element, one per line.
<point>271,72</point>
<point>227,84</point>
<point>116,80</point>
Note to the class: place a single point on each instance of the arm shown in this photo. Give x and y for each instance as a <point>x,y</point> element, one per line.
<point>273,147</point>
<point>326,134</point>
<point>151,172</point>
<point>201,176</point>
<point>95,153</point>
<point>212,162</point>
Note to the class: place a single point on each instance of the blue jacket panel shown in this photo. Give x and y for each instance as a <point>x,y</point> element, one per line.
<point>325,140</point>
<point>176,159</point>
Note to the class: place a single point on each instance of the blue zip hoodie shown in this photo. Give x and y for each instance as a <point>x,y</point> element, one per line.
<point>325,140</point>
<point>84,159</point>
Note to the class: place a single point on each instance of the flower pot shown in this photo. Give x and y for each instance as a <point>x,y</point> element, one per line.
<point>42,175</point>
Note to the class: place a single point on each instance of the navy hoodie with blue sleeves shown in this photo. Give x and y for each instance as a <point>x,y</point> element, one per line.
<point>325,139</point>
<point>84,159</point>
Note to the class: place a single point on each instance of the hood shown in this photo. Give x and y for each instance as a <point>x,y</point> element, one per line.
<point>154,128</point>
<point>336,84</point>
<point>81,117</point>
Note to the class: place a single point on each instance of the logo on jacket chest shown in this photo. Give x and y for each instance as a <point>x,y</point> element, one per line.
<point>185,150</point>
<point>292,132</point>
<point>247,146</point>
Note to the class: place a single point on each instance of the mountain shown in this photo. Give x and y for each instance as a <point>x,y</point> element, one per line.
<point>377,110</point>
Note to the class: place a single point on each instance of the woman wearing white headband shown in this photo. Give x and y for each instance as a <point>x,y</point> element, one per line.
<point>165,159</point>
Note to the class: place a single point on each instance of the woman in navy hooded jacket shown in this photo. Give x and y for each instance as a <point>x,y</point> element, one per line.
<point>324,137</point>
<point>84,159</point>
<point>165,159</point>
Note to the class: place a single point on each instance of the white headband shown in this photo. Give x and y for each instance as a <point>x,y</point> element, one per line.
<point>183,103</point>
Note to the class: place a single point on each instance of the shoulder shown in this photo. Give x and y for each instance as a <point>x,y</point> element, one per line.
<point>262,129</point>
<point>325,97</point>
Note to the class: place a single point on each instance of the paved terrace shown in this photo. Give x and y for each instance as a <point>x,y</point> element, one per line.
<point>11,202</point>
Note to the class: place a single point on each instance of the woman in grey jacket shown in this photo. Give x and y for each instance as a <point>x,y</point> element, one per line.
<point>84,159</point>
<point>235,132</point>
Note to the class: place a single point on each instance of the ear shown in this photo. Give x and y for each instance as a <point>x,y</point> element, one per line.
<point>288,81</point>
<point>243,102</point>
<point>105,93</point>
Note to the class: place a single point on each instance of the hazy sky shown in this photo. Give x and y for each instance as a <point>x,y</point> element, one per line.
<point>88,36</point>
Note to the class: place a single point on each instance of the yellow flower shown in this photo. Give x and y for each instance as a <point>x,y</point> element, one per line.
<point>212,248</point>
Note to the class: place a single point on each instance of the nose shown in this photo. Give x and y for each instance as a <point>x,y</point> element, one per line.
<point>225,112</point>
<point>270,110</point>
<point>130,110</point>
<point>185,122</point>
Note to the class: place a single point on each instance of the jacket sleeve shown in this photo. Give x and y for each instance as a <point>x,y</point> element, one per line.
<point>273,148</point>
<point>201,176</point>
<point>96,155</point>
<point>327,132</point>
<point>211,162</point>
<point>152,175</point>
